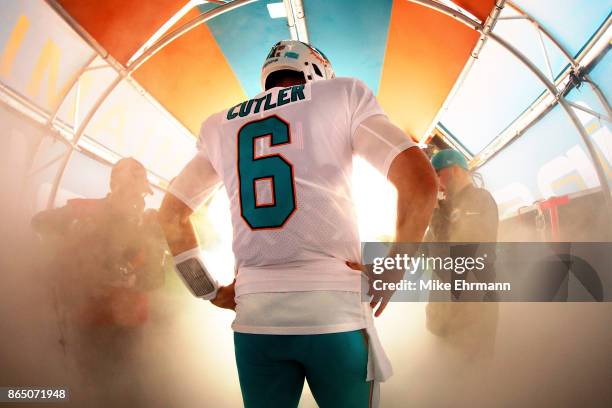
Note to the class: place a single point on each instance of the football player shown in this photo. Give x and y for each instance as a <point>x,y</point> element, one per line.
<point>285,159</point>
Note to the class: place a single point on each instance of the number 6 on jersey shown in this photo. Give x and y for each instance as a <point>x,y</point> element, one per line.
<point>273,168</point>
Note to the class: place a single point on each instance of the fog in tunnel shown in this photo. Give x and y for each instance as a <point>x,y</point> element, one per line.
<point>546,354</point>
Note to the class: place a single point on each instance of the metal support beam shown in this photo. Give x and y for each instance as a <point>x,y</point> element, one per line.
<point>190,4</point>
<point>74,80</point>
<point>75,139</point>
<point>512,18</point>
<point>44,166</point>
<point>591,112</point>
<point>598,92</point>
<point>184,29</point>
<point>488,26</point>
<point>428,3</point>
<point>296,20</point>
<point>62,97</point>
<point>450,140</point>
<point>545,53</point>
<point>439,7</point>
<point>527,119</point>
<point>575,68</point>
<point>605,188</point>
<point>544,31</point>
<point>123,72</point>
<point>573,62</point>
<point>599,168</point>
<point>495,145</point>
<point>521,131</point>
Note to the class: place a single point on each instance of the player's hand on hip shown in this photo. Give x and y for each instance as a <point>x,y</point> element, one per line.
<point>379,297</point>
<point>225,298</point>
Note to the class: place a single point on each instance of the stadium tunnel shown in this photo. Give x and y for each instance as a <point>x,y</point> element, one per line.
<point>521,88</point>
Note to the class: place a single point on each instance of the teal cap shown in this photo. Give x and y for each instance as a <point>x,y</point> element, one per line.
<point>448,157</point>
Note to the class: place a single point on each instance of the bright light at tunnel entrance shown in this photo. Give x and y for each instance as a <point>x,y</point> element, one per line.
<point>219,256</point>
<point>375,202</point>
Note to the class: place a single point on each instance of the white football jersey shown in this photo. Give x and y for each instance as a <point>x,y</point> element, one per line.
<point>285,158</point>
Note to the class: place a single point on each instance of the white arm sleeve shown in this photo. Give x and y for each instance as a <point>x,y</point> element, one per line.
<point>362,104</point>
<point>379,141</point>
<point>196,182</point>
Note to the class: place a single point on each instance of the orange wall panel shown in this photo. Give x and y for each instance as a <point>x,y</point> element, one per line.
<point>426,51</point>
<point>191,78</point>
<point>121,26</point>
<point>479,8</point>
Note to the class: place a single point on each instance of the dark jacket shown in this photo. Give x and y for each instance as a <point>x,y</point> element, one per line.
<point>467,216</point>
<point>104,261</point>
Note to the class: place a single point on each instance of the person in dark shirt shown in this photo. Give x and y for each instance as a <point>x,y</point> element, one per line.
<point>104,256</point>
<point>468,214</point>
<point>109,245</point>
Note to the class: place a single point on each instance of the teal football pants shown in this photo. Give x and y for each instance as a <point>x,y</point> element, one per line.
<point>272,369</point>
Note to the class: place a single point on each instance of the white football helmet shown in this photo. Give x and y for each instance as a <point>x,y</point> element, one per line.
<point>296,56</point>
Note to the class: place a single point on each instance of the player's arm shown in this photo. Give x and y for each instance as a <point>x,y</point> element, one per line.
<point>174,218</point>
<point>394,154</point>
<point>189,190</point>
<point>415,180</point>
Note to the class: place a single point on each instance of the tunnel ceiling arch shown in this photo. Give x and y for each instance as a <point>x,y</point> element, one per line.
<point>217,64</point>
<point>417,60</point>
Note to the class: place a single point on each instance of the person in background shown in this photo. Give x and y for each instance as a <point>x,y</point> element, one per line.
<point>467,214</point>
<point>105,255</point>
